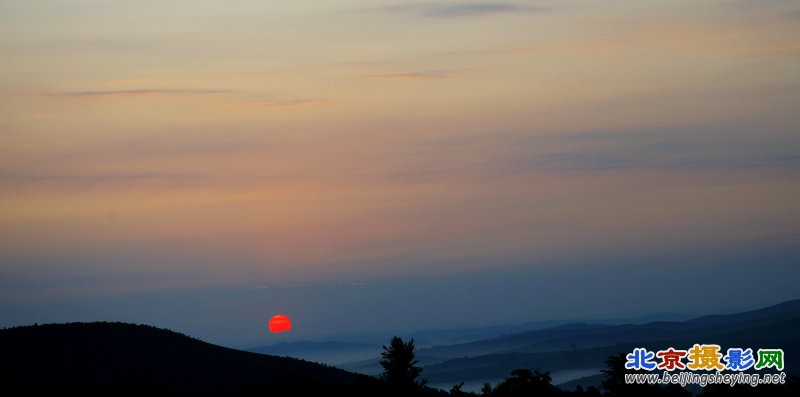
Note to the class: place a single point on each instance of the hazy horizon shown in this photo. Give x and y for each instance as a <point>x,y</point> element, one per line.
<point>379,166</point>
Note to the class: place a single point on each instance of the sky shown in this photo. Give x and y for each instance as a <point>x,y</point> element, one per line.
<point>380,166</point>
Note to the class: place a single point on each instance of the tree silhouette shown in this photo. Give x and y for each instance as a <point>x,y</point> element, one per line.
<point>456,391</point>
<point>525,382</point>
<point>399,366</point>
<point>615,385</point>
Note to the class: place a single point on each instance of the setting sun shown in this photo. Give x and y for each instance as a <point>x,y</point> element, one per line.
<point>279,323</point>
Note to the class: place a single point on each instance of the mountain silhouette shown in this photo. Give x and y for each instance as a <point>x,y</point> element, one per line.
<point>126,359</point>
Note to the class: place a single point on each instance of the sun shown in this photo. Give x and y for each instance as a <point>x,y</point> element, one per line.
<point>280,323</point>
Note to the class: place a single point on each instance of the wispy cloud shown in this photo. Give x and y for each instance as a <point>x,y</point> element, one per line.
<point>460,10</point>
<point>685,149</point>
<point>753,3</point>
<point>139,92</point>
<point>439,10</point>
<point>434,75</point>
<point>28,177</point>
<point>288,102</point>
<point>583,47</point>
<point>231,96</point>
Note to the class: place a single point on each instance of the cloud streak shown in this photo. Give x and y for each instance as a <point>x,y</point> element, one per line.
<point>471,9</point>
<point>234,96</point>
<point>289,103</point>
<point>437,10</point>
<point>412,76</point>
<point>171,179</point>
<point>138,92</point>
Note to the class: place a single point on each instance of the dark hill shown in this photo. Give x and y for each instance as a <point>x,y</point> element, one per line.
<point>118,358</point>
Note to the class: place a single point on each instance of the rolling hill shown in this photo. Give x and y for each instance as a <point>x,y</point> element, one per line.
<point>127,359</point>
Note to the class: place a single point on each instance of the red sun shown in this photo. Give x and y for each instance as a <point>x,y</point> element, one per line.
<point>279,323</point>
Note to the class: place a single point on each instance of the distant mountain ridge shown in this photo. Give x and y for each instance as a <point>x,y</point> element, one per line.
<point>574,336</point>
<point>331,352</point>
<point>584,346</point>
<point>568,349</point>
<point>343,351</point>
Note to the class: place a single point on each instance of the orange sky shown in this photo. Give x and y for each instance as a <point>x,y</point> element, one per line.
<point>259,142</point>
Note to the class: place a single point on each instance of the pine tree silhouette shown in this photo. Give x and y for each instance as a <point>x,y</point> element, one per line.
<point>399,366</point>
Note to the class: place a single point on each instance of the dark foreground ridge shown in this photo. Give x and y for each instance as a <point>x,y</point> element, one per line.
<point>126,359</point>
